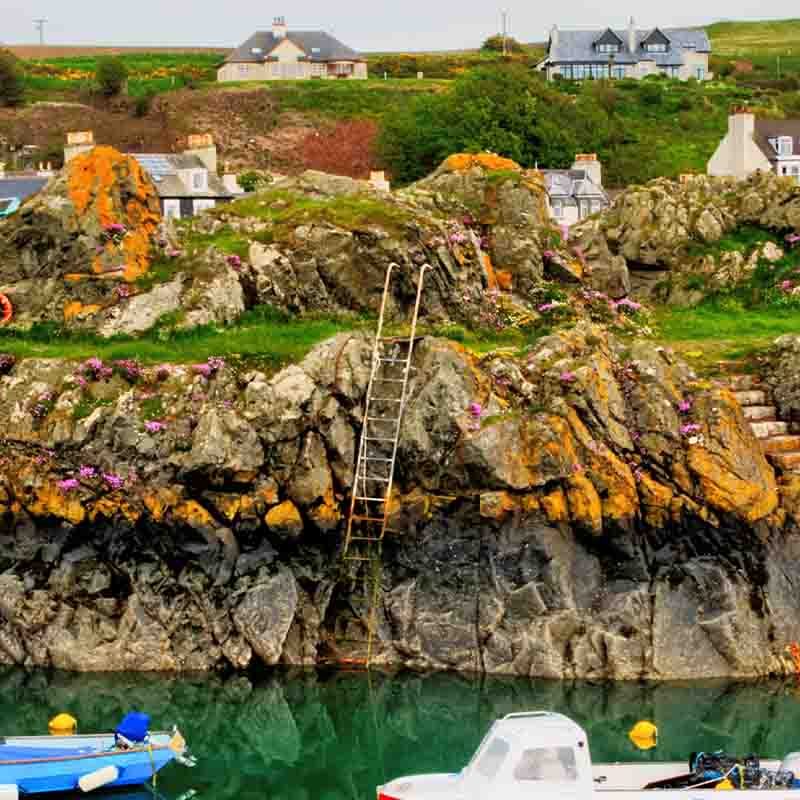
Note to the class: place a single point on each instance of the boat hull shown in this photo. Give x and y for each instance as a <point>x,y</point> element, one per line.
<point>69,759</point>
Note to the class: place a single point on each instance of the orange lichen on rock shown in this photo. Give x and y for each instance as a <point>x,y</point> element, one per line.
<point>108,188</point>
<point>285,519</point>
<point>505,280</point>
<point>460,162</point>
<point>497,505</point>
<point>76,309</point>
<point>585,508</point>
<point>488,269</point>
<point>555,506</point>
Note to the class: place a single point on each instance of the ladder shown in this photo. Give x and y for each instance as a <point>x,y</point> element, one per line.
<point>387,393</point>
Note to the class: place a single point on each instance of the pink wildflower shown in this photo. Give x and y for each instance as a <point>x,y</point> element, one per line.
<point>690,428</point>
<point>87,473</point>
<point>68,485</point>
<point>114,482</point>
<point>476,410</point>
<point>154,426</point>
<point>685,405</point>
<point>567,377</point>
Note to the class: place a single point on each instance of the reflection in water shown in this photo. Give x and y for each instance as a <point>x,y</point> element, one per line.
<point>299,735</point>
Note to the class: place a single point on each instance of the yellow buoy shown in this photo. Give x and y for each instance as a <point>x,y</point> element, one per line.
<point>63,725</point>
<point>644,735</point>
<point>725,784</point>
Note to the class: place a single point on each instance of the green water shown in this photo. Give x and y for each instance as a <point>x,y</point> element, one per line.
<point>329,736</point>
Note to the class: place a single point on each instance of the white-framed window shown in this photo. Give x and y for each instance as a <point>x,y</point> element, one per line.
<point>172,209</point>
<point>605,47</point>
<point>656,47</point>
<point>785,146</point>
<point>492,758</point>
<point>700,73</point>
<point>671,72</point>
<point>558,209</point>
<point>199,180</point>
<point>244,69</point>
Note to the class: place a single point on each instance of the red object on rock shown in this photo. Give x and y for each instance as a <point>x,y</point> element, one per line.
<point>6,310</point>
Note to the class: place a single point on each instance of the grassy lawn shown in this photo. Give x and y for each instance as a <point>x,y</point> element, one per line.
<point>753,38</point>
<point>709,334</point>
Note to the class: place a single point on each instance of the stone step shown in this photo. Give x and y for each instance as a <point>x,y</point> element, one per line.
<point>759,413</point>
<point>781,444</point>
<point>786,461</point>
<point>764,430</point>
<point>744,383</point>
<point>751,397</point>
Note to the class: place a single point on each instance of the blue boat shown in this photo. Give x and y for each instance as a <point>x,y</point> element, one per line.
<point>8,206</point>
<point>43,764</point>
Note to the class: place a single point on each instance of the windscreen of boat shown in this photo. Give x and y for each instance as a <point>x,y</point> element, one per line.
<point>5,204</point>
<point>551,764</point>
<point>492,757</point>
<point>14,753</point>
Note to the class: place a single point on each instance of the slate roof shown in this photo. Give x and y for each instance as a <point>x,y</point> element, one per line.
<point>571,184</point>
<point>317,45</point>
<point>169,184</point>
<point>577,47</point>
<point>21,187</point>
<point>767,129</point>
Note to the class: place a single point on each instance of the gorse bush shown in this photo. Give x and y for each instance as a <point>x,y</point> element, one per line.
<point>494,44</point>
<point>12,81</point>
<point>111,75</point>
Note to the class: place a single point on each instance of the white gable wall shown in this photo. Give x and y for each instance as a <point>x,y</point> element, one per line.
<point>738,155</point>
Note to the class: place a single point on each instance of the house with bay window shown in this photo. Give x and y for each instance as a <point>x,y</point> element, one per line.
<point>585,54</point>
<point>576,193</point>
<point>281,54</point>
<point>752,144</point>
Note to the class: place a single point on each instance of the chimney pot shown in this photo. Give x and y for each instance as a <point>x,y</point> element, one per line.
<point>279,28</point>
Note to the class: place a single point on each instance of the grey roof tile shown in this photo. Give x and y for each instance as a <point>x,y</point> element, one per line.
<point>767,129</point>
<point>577,46</point>
<point>317,45</point>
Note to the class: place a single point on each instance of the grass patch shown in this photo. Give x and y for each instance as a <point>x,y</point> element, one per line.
<point>286,210</point>
<point>86,406</point>
<point>152,408</point>
<point>723,331</point>
<point>744,240</point>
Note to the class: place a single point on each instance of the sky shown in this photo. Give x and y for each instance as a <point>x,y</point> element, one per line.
<point>376,25</point>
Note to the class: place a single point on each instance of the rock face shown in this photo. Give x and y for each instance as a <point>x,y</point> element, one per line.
<point>652,231</point>
<point>782,371</point>
<point>604,515</point>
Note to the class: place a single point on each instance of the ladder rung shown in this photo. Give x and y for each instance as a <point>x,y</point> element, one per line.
<point>382,460</point>
<point>377,439</point>
<point>366,538</point>
<point>389,380</point>
<point>367,519</point>
<point>357,558</point>
<point>383,419</point>
<point>386,400</point>
<point>393,360</point>
<point>373,499</point>
<point>373,480</point>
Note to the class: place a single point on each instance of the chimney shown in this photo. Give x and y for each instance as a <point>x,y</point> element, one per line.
<point>78,142</point>
<point>553,37</point>
<point>202,145</point>
<point>632,36</point>
<point>588,163</point>
<point>741,130</point>
<point>279,29</point>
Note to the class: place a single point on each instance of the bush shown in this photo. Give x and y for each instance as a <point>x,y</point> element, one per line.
<point>12,85</point>
<point>143,104</point>
<point>347,148</point>
<point>111,75</point>
<point>253,181</point>
<point>494,44</point>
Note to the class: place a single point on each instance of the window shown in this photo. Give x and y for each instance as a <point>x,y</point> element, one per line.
<point>547,764</point>
<point>700,73</point>
<point>493,757</point>
<point>655,47</point>
<point>558,209</point>
<point>244,69</point>
<point>784,145</point>
<point>172,209</point>
<point>671,72</point>
<point>256,51</point>
<point>618,72</point>
<point>607,48</point>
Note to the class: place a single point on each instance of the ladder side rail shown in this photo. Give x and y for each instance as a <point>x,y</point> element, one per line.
<point>403,398</point>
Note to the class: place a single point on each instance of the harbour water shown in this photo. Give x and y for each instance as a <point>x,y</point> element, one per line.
<point>303,735</point>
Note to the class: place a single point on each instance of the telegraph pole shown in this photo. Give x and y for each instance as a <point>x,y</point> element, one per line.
<point>39,25</point>
<point>505,33</point>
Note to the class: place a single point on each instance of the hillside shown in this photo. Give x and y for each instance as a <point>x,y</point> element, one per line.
<point>768,37</point>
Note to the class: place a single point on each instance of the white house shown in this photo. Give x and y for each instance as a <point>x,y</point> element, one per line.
<point>581,54</point>
<point>576,193</point>
<point>281,54</point>
<point>751,144</point>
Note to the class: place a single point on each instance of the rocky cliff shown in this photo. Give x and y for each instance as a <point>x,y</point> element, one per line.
<point>589,510</point>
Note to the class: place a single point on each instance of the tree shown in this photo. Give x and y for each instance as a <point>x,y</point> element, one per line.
<point>12,80</point>
<point>111,75</point>
<point>494,44</point>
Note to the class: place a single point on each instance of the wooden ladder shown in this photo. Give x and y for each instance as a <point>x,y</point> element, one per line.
<point>387,394</point>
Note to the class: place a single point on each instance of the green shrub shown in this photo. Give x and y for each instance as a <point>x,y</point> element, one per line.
<point>494,44</point>
<point>143,103</point>
<point>12,81</point>
<point>252,181</point>
<point>111,75</point>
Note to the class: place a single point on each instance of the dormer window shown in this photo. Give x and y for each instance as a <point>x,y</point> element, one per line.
<point>316,50</point>
<point>655,47</point>
<point>257,51</point>
<point>785,146</point>
<point>607,47</point>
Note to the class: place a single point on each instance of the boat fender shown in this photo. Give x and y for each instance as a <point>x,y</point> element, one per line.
<point>63,724</point>
<point>791,763</point>
<point>724,784</point>
<point>9,791</point>
<point>6,310</point>
<point>98,778</point>
<point>644,735</point>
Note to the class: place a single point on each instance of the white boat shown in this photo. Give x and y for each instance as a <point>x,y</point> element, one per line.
<point>545,755</point>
